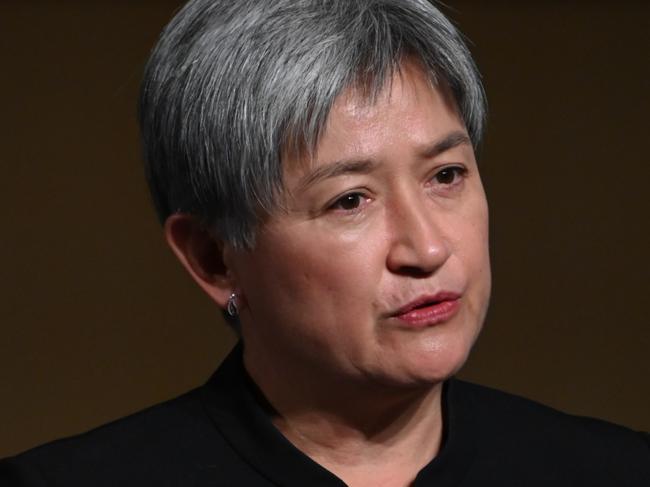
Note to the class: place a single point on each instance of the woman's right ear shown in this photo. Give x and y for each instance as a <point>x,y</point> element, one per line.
<point>201,254</point>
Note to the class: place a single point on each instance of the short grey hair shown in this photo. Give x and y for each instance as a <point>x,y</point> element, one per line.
<point>231,83</point>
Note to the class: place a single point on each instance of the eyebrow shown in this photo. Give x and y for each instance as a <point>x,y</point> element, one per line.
<point>454,139</point>
<point>335,169</point>
<point>365,166</point>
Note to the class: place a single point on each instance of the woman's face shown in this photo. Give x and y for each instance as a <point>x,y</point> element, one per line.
<point>377,268</point>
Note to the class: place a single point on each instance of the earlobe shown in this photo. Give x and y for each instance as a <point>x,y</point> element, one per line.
<point>202,255</point>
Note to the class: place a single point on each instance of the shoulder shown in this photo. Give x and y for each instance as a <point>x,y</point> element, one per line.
<point>158,446</point>
<point>522,433</point>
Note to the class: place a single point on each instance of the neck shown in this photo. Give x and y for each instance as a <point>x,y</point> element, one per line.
<point>366,434</point>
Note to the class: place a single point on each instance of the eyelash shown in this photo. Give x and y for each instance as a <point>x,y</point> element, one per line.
<point>337,204</point>
<point>458,172</point>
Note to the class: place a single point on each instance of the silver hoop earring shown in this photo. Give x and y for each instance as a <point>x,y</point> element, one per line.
<point>231,307</point>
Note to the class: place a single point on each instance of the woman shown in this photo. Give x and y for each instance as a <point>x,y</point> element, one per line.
<point>313,164</point>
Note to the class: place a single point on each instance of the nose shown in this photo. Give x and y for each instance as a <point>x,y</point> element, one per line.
<point>417,242</point>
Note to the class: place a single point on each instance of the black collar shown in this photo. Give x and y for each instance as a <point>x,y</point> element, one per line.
<point>242,415</point>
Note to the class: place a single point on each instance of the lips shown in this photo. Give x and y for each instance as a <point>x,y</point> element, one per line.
<point>429,310</point>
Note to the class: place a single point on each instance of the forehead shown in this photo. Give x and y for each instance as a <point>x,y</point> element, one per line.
<point>407,95</point>
<point>410,110</point>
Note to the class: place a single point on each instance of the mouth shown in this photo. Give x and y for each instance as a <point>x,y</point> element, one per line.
<point>429,310</point>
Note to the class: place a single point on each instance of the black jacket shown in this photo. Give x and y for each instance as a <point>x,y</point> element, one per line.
<point>220,435</point>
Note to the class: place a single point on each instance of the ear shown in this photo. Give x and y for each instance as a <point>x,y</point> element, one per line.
<point>201,254</point>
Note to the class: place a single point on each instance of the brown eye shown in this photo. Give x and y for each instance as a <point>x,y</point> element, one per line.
<point>350,201</point>
<point>448,175</point>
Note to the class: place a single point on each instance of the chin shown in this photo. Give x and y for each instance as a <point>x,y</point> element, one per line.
<point>436,361</point>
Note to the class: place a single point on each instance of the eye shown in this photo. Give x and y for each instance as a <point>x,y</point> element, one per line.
<point>348,202</point>
<point>449,176</point>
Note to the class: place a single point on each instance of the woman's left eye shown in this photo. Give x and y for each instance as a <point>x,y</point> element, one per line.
<point>349,202</point>
<point>449,176</point>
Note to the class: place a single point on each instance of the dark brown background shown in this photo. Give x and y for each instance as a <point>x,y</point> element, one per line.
<point>98,320</point>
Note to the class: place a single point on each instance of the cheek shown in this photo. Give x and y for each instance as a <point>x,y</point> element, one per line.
<point>310,278</point>
<point>476,228</point>
<point>469,235</point>
<point>483,241</point>
<point>477,258</point>
<point>467,227</point>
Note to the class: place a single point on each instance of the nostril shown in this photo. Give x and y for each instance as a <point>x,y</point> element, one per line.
<point>414,271</point>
